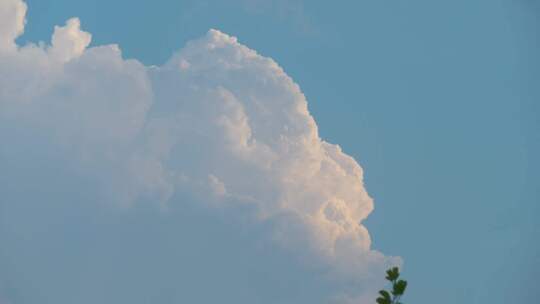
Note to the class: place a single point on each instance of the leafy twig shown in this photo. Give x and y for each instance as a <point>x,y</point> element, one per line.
<point>398,288</point>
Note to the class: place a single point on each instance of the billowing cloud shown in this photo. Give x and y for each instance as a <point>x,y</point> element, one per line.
<point>201,180</point>
<point>12,13</point>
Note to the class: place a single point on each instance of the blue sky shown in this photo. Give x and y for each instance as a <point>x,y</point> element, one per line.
<point>437,101</point>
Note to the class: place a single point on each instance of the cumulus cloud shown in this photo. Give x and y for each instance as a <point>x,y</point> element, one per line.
<point>201,180</point>
<point>12,13</point>
<point>69,41</point>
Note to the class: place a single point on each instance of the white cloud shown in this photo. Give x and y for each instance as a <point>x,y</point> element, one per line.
<point>219,130</point>
<point>69,41</point>
<point>12,13</point>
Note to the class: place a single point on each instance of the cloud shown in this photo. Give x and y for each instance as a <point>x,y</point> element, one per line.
<point>12,13</point>
<point>201,180</point>
<point>69,41</point>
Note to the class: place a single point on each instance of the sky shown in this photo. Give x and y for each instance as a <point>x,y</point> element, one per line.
<point>186,166</point>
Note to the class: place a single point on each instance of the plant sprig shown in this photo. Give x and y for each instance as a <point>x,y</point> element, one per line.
<point>398,288</point>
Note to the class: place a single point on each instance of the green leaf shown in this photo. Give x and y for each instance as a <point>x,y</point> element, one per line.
<point>396,272</point>
<point>383,301</point>
<point>399,287</point>
<point>392,274</point>
<point>385,294</point>
<point>389,275</point>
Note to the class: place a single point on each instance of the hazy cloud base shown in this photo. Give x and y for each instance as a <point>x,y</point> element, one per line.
<point>203,180</point>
